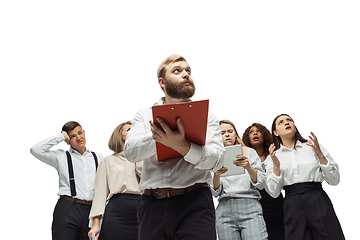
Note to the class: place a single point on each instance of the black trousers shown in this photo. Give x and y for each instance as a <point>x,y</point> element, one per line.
<point>120,218</point>
<point>273,213</point>
<point>187,216</point>
<point>70,221</point>
<point>309,214</point>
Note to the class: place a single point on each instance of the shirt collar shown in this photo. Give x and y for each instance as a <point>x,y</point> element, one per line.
<point>297,144</point>
<point>71,150</point>
<point>161,101</point>
<point>121,155</point>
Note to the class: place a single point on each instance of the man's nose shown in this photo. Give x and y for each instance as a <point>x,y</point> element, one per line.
<point>186,74</point>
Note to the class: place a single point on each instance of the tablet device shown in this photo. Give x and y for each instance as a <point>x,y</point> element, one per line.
<point>229,157</point>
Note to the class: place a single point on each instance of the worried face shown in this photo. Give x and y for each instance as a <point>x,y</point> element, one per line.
<point>77,138</point>
<point>256,137</point>
<point>228,134</point>
<point>285,127</point>
<point>177,82</point>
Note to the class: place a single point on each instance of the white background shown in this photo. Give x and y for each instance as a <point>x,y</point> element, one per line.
<point>95,62</point>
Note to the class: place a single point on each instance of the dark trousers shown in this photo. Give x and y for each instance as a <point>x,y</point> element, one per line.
<point>273,213</point>
<point>70,221</point>
<point>120,218</point>
<point>187,216</point>
<point>309,214</point>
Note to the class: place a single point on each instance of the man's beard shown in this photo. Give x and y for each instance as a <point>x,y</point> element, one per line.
<point>179,90</point>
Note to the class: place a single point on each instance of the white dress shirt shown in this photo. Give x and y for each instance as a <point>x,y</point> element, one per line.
<point>300,165</point>
<point>83,165</point>
<point>115,175</point>
<point>241,185</point>
<point>194,167</point>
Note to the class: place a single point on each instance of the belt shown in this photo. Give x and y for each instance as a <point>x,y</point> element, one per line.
<point>302,188</point>
<point>64,197</point>
<point>171,192</point>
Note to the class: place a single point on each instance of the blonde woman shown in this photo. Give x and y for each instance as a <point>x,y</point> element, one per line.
<point>239,212</point>
<point>117,181</point>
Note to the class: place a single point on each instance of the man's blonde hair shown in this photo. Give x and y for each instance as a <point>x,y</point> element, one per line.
<point>171,59</point>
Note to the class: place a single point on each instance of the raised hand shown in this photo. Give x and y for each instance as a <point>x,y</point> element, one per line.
<point>315,146</point>
<point>276,162</point>
<point>67,138</point>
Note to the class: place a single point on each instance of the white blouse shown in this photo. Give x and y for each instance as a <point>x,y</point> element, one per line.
<point>241,185</point>
<point>300,165</point>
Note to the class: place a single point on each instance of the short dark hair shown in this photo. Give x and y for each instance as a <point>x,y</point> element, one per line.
<point>265,132</point>
<point>70,126</point>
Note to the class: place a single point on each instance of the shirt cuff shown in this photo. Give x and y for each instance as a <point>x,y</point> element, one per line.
<point>194,154</point>
<point>275,178</point>
<point>216,192</point>
<point>62,137</point>
<point>327,166</point>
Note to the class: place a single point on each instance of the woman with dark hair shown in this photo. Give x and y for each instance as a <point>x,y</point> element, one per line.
<point>259,138</point>
<point>239,213</point>
<point>117,192</point>
<point>300,166</point>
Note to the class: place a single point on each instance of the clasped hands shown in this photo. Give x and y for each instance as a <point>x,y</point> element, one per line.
<point>173,139</point>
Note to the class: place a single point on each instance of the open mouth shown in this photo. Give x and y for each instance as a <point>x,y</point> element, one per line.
<point>256,138</point>
<point>288,128</point>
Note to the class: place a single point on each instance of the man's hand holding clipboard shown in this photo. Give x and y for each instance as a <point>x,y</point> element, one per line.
<point>176,126</point>
<point>174,139</point>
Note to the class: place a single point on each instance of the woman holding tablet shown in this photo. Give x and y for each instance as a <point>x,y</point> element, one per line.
<point>300,166</point>
<point>259,138</point>
<point>239,213</point>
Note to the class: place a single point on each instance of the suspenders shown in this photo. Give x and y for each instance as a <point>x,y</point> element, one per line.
<point>71,171</point>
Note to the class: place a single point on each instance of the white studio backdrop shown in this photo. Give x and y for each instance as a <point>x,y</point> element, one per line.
<point>95,62</point>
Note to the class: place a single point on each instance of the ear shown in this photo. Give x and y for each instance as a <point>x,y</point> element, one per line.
<point>161,82</point>
<point>275,133</point>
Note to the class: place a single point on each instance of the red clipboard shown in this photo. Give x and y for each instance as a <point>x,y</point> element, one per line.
<point>193,115</point>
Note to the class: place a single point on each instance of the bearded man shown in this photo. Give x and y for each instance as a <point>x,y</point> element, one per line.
<point>177,202</point>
